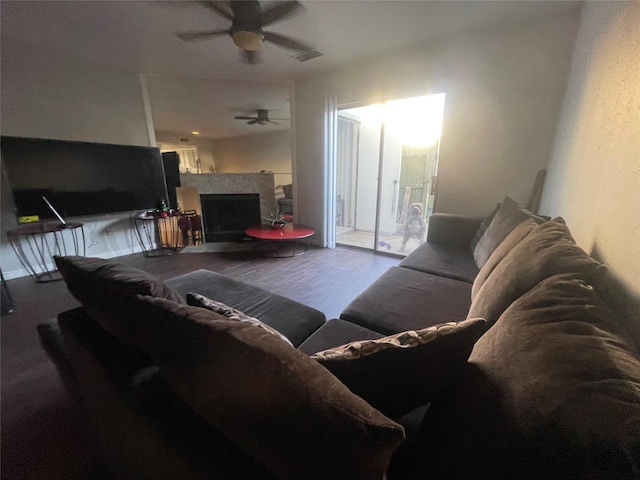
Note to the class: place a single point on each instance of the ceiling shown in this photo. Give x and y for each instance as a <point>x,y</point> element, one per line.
<point>138,37</point>
<point>182,105</point>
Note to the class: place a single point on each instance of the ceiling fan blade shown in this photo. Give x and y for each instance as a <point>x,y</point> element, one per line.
<point>253,122</point>
<point>252,57</point>
<point>287,42</point>
<point>246,13</point>
<point>271,121</point>
<point>277,11</point>
<point>245,118</point>
<point>220,8</point>
<point>193,36</point>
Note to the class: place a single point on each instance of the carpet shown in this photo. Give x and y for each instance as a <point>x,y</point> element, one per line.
<point>216,247</point>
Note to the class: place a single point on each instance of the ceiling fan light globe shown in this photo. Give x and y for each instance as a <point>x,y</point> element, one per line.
<point>247,40</point>
<point>263,122</point>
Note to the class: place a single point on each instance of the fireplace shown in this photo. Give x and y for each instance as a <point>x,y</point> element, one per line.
<point>226,216</point>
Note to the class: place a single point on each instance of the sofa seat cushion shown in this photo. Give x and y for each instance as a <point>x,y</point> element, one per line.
<point>443,261</point>
<point>555,390</point>
<point>399,373</point>
<point>404,299</point>
<point>277,404</point>
<point>334,333</point>
<point>292,319</point>
<point>547,250</point>
<point>99,285</point>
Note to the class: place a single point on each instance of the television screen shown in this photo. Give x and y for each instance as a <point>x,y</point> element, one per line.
<point>81,179</point>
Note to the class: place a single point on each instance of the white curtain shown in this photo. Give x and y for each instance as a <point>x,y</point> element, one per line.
<point>346,171</point>
<point>329,171</point>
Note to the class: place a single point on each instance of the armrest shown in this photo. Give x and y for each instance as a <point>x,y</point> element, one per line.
<point>452,230</point>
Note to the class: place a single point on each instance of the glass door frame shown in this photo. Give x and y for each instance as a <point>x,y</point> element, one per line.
<point>381,154</point>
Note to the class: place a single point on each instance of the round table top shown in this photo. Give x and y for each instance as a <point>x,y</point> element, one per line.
<point>291,231</point>
<point>43,227</point>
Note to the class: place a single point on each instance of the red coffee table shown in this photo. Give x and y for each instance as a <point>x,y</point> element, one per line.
<point>291,232</point>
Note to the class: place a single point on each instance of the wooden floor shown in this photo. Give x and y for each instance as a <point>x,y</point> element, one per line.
<point>43,434</point>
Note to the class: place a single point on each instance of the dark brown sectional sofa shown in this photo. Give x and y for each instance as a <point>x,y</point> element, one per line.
<point>547,385</point>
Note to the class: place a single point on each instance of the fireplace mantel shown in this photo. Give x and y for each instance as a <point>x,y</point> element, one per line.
<point>260,183</point>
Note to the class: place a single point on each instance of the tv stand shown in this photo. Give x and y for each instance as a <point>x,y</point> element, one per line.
<point>36,244</point>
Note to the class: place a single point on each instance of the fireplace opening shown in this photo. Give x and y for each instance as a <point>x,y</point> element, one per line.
<point>227,216</point>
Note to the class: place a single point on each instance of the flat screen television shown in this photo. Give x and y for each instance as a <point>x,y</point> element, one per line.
<point>81,179</point>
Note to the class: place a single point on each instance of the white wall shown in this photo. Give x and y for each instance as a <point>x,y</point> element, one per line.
<point>253,153</point>
<point>504,89</point>
<point>594,173</point>
<point>45,97</point>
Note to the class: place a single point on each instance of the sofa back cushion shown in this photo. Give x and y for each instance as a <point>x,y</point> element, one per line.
<point>483,228</point>
<point>278,405</point>
<point>552,391</point>
<point>567,376</point>
<point>547,250</point>
<point>508,216</point>
<point>511,240</point>
<point>100,286</point>
<point>401,372</point>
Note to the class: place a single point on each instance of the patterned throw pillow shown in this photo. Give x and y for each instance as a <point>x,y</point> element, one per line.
<point>197,300</point>
<point>401,372</point>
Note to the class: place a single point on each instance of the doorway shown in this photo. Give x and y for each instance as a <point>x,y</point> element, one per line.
<point>386,172</point>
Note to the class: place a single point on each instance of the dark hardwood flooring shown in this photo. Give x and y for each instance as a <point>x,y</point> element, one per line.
<point>43,435</point>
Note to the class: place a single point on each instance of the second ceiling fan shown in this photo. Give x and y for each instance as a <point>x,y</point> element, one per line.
<point>248,20</point>
<point>262,118</point>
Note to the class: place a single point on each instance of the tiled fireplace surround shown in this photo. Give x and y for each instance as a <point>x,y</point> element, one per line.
<point>194,185</point>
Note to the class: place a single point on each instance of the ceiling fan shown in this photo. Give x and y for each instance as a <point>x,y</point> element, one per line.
<point>248,19</point>
<point>262,118</point>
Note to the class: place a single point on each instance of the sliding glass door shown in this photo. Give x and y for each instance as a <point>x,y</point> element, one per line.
<point>387,157</point>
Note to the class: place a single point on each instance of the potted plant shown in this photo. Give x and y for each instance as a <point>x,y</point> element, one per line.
<point>275,222</point>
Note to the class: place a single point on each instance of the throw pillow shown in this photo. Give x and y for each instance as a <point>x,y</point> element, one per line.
<point>401,372</point>
<point>279,193</point>
<point>483,228</point>
<point>99,285</point>
<point>516,235</point>
<point>548,250</point>
<point>508,216</point>
<point>568,385</point>
<point>278,405</point>
<point>197,300</point>
<point>288,190</point>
